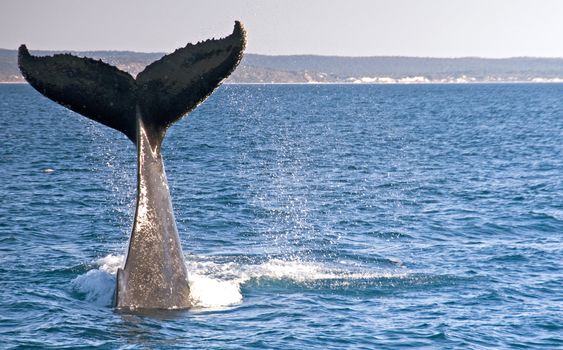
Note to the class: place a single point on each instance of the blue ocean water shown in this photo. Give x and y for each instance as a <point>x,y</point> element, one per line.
<point>311,216</point>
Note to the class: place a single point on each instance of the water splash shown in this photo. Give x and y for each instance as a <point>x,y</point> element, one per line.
<point>97,286</point>
<point>217,285</point>
<point>111,263</point>
<point>213,293</point>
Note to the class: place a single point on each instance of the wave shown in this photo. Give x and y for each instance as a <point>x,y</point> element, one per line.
<point>217,284</point>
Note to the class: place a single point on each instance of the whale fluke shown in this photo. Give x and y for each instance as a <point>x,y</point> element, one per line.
<point>174,85</point>
<point>92,88</point>
<point>154,275</point>
<point>165,91</point>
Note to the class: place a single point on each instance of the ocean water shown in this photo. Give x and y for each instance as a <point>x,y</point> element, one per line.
<point>311,216</point>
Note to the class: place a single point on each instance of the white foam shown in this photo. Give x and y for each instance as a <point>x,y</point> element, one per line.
<point>211,293</point>
<point>97,285</point>
<point>110,263</point>
<point>216,285</point>
<point>300,271</point>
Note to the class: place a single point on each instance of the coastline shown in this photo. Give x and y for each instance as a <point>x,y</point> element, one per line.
<point>372,83</point>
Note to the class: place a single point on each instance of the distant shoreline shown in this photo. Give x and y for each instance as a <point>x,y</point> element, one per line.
<point>257,69</point>
<point>359,84</point>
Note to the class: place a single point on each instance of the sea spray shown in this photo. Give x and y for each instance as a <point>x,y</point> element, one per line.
<point>217,285</point>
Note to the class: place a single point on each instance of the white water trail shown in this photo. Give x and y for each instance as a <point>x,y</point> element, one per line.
<point>217,285</point>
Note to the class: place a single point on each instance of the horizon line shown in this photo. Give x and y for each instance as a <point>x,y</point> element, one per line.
<point>303,54</point>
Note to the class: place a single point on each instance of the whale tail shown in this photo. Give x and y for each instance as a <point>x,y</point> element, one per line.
<point>164,92</point>
<point>154,275</point>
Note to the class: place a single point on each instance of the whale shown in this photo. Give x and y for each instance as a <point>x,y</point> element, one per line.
<point>154,275</point>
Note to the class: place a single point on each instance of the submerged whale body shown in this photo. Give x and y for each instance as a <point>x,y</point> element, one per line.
<point>154,275</point>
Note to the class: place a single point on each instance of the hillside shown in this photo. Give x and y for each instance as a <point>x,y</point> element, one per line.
<point>332,69</point>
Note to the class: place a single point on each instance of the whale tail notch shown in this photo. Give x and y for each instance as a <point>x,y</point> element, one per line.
<point>164,92</point>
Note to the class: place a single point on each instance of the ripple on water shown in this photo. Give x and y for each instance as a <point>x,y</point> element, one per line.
<point>315,216</point>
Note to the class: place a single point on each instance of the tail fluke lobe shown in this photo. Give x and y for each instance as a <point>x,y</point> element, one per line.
<point>174,85</point>
<point>92,88</point>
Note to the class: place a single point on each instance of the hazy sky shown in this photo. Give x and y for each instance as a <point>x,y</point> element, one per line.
<point>439,28</point>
